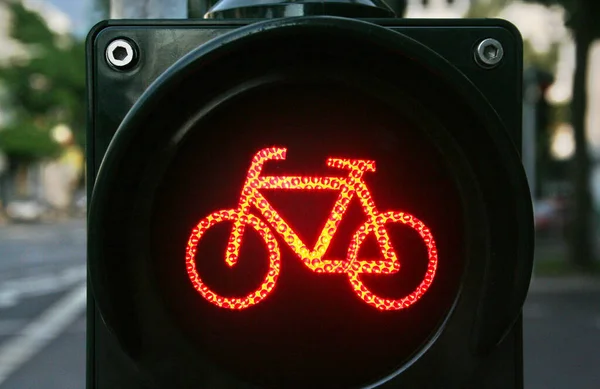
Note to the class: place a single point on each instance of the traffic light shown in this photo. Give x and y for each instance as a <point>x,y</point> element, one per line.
<point>306,202</point>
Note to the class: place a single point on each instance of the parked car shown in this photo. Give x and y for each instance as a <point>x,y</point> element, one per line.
<point>25,210</point>
<point>550,214</point>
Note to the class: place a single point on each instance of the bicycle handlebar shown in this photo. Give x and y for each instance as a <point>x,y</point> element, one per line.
<point>280,153</point>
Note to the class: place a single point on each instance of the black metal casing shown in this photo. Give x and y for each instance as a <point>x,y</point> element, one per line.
<point>478,346</point>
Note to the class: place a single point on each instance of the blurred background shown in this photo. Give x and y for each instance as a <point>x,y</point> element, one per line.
<point>42,176</point>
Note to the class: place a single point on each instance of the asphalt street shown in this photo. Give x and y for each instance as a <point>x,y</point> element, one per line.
<point>42,306</point>
<point>42,317</point>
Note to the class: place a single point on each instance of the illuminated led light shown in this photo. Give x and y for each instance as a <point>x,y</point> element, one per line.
<point>348,187</point>
<point>274,261</point>
<point>377,227</point>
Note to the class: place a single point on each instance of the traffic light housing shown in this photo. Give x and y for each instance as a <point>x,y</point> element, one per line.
<point>317,202</point>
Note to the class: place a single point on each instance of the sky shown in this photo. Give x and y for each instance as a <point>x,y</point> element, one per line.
<point>78,11</point>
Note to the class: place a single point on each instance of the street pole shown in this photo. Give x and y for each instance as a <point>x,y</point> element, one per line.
<point>148,9</point>
<point>531,97</point>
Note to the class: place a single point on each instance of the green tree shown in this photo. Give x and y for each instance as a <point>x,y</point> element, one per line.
<point>582,19</point>
<point>43,90</point>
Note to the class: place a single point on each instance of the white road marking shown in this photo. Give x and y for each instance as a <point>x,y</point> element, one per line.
<point>12,291</point>
<point>37,334</point>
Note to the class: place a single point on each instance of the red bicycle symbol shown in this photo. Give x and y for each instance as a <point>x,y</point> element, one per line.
<point>348,187</point>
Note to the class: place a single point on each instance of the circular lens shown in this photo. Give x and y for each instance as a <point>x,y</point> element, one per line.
<point>292,272</point>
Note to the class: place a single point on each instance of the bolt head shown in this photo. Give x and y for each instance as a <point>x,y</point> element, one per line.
<point>489,53</point>
<point>120,54</point>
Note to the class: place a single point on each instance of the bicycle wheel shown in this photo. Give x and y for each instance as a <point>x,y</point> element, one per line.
<point>354,272</point>
<point>270,279</point>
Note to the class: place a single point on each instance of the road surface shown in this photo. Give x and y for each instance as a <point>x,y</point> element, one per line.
<point>42,306</point>
<point>42,317</point>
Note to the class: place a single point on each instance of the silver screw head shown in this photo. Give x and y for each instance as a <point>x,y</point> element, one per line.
<point>120,53</point>
<point>489,53</point>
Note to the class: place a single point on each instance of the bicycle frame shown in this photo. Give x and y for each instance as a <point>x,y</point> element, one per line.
<point>351,185</point>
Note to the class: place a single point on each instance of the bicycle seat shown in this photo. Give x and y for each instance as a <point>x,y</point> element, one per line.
<point>352,164</point>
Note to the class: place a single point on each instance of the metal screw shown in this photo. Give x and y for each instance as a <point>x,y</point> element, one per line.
<point>489,53</point>
<point>121,54</point>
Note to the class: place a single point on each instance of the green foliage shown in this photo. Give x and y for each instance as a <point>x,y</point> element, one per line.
<point>29,27</point>
<point>46,89</point>
<point>28,142</point>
